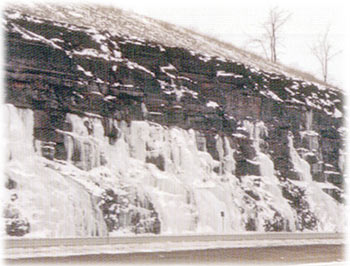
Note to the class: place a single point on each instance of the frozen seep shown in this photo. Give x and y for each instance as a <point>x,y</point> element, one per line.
<point>53,204</point>
<point>322,205</point>
<point>152,172</point>
<point>273,203</point>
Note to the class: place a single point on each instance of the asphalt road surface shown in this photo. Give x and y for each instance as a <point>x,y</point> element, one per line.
<point>248,256</point>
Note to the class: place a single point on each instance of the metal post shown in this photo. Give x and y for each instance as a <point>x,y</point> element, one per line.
<point>223,218</point>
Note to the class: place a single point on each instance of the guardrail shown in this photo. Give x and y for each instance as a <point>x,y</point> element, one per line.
<point>91,241</point>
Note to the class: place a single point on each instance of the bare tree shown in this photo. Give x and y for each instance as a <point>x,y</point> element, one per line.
<point>324,52</point>
<point>272,31</point>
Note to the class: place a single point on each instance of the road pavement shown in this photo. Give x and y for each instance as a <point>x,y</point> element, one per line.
<point>246,256</point>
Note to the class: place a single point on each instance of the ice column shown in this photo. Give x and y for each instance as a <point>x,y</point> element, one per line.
<point>300,165</point>
<point>328,212</point>
<point>19,131</point>
<point>267,171</point>
<point>53,203</point>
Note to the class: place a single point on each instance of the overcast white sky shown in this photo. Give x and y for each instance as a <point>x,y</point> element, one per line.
<point>238,21</point>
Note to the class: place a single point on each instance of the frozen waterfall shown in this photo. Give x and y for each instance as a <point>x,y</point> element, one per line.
<point>167,167</point>
<point>54,204</point>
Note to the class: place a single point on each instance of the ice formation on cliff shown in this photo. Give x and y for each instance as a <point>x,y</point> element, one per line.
<point>160,164</point>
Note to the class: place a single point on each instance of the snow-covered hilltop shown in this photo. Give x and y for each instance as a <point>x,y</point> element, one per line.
<point>127,23</point>
<point>121,124</point>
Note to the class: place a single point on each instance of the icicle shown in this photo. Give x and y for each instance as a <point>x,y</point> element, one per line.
<point>342,160</point>
<point>20,123</point>
<point>309,120</point>
<point>300,165</point>
<point>220,149</point>
<point>69,146</point>
<point>229,161</point>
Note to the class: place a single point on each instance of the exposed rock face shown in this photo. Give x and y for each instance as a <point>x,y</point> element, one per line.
<point>85,86</point>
